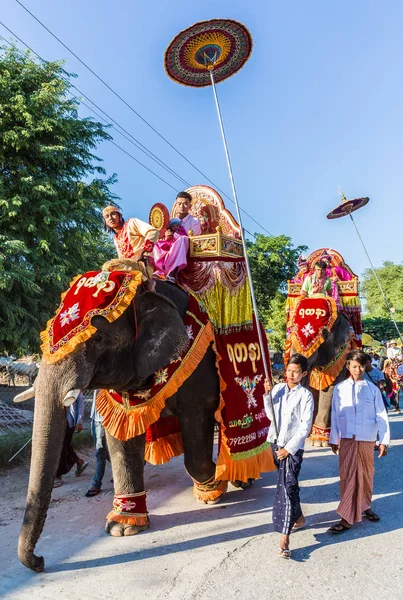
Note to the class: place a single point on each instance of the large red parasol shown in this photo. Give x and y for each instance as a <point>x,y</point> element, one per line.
<point>221,44</point>
<point>346,208</point>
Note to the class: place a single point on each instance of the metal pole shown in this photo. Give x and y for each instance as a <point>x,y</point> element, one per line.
<point>377,279</point>
<point>231,176</point>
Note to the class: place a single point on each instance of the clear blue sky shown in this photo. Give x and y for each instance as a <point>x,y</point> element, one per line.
<point>318,105</point>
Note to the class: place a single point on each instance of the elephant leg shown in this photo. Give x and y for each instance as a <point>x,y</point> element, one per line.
<point>129,513</point>
<point>321,428</point>
<point>195,405</point>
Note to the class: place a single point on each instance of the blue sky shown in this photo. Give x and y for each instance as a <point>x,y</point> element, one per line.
<point>318,105</point>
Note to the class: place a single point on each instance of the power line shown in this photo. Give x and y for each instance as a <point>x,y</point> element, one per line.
<point>145,151</point>
<point>133,141</point>
<point>132,109</point>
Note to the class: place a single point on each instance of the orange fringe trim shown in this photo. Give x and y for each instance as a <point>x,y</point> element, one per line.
<point>307,353</point>
<point>161,451</point>
<point>245,468</point>
<point>115,517</point>
<point>211,494</point>
<point>79,338</point>
<point>320,380</point>
<point>125,423</point>
<point>226,467</point>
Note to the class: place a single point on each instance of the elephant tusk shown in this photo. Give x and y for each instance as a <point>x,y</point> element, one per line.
<point>30,393</point>
<point>71,397</point>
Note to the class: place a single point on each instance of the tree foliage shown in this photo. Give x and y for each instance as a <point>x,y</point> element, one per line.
<point>381,328</point>
<point>273,262</point>
<point>52,190</point>
<point>391,277</point>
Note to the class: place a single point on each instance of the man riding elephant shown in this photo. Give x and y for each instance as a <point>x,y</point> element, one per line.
<point>134,239</point>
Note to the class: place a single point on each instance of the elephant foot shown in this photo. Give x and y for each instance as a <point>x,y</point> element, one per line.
<point>129,515</point>
<point>210,491</point>
<point>320,443</point>
<point>244,485</point>
<point>117,529</point>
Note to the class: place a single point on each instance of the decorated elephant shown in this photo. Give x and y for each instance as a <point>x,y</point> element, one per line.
<point>326,368</point>
<point>124,350</point>
<point>324,329</point>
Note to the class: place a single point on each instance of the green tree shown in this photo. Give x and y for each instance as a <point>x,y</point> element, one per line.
<point>381,328</point>
<point>52,190</point>
<point>273,261</point>
<point>391,277</point>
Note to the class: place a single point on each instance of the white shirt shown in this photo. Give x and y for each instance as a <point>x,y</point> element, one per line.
<point>191,223</point>
<point>394,353</point>
<point>358,411</point>
<point>293,411</point>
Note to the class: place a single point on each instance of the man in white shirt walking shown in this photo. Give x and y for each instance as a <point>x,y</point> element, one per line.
<point>358,416</point>
<point>293,410</point>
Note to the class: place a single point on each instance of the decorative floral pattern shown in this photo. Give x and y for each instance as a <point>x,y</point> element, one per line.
<point>249,385</point>
<point>161,376</point>
<point>308,330</point>
<point>71,314</point>
<point>189,331</point>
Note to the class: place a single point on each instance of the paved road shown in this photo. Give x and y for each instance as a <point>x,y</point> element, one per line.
<point>226,551</point>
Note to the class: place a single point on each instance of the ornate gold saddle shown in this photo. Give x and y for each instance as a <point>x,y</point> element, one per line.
<point>220,238</point>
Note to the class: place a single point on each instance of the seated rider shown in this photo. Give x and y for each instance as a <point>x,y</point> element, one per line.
<point>335,272</point>
<point>134,239</point>
<point>318,283</point>
<point>188,222</point>
<point>170,254</point>
<point>303,270</point>
<point>172,257</point>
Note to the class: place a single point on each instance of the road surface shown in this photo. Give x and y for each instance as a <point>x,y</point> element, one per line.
<point>202,552</point>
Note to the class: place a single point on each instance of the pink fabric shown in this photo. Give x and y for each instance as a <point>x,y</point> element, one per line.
<point>171,254</point>
<point>341,273</point>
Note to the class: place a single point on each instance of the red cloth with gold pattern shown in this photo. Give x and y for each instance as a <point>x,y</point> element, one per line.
<point>311,317</point>
<point>107,294</point>
<point>243,450</point>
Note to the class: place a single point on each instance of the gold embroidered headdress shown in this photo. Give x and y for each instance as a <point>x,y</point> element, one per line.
<point>109,209</point>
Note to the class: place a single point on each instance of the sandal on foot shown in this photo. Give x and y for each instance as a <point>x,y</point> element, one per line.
<point>371,515</point>
<point>94,491</point>
<point>296,527</point>
<point>338,528</point>
<point>80,469</point>
<point>58,483</point>
<point>284,553</point>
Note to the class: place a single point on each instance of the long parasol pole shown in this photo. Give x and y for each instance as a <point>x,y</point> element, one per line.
<point>377,279</point>
<point>252,290</point>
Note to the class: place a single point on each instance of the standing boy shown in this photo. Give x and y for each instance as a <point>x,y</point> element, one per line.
<point>293,410</point>
<point>358,416</point>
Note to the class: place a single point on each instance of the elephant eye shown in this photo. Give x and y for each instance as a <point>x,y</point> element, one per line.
<point>98,336</point>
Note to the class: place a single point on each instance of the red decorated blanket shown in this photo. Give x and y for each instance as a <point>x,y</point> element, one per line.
<point>95,293</point>
<point>311,317</point>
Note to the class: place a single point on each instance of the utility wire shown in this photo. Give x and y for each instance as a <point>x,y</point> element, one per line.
<point>80,101</point>
<point>133,141</point>
<point>133,110</point>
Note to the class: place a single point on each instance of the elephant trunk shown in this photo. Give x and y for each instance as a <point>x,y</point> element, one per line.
<point>48,435</point>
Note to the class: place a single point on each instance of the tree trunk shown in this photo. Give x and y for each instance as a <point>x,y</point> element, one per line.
<point>52,383</point>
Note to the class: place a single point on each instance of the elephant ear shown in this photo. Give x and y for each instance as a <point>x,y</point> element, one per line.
<point>161,334</point>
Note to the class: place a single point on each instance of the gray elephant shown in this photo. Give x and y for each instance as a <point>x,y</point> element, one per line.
<point>113,358</point>
<point>336,342</point>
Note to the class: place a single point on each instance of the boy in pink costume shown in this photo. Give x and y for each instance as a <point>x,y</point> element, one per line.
<point>170,254</point>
